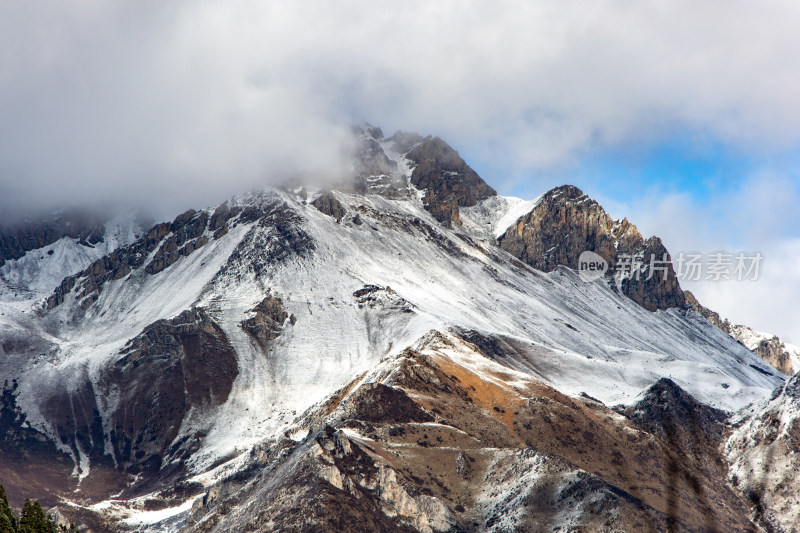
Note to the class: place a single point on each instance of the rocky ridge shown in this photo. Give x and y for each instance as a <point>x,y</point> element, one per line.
<point>566,222</point>
<point>770,348</point>
<point>193,373</point>
<point>763,456</point>
<point>449,183</point>
<point>441,439</point>
<point>19,237</point>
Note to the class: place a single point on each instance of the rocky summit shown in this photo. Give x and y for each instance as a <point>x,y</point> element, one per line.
<point>400,350</point>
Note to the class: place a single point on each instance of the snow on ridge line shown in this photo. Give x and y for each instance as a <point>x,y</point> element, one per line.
<point>582,328</point>
<point>490,218</point>
<point>751,338</point>
<point>518,209</point>
<point>37,273</point>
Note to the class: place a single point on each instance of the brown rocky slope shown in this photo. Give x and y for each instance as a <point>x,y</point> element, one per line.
<point>441,438</point>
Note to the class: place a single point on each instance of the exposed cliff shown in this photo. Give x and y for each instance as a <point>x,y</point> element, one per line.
<point>566,223</point>
<point>448,182</point>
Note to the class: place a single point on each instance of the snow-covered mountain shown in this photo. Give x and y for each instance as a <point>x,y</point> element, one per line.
<point>297,354</point>
<point>763,456</point>
<point>783,356</point>
<point>36,256</point>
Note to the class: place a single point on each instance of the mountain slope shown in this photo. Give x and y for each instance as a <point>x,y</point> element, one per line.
<point>763,457</point>
<point>159,368</point>
<point>439,438</point>
<point>37,256</point>
<point>782,356</point>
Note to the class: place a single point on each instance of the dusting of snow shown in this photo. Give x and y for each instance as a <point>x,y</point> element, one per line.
<point>762,454</point>
<point>404,166</point>
<point>752,338</point>
<point>131,514</point>
<point>575,336</point>
<point>39,271</point>
<point>490,218</point>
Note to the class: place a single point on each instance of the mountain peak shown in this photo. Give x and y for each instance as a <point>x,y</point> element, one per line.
<point>566,222</point>
<point>448,181</point>
<point>359,357</point>
<point>367,130</point>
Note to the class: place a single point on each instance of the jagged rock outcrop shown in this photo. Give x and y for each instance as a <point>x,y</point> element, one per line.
<point>566,223</point>
<point>770,348</point>
<point>328,204</point>
<point>172,367</point>
<point>267,322</point>
<point>655,286</point>
<point>448,181</point>
<point>764,458</point>
<point>16,238</point>
<point>774,352</point>
<point>186,237</point>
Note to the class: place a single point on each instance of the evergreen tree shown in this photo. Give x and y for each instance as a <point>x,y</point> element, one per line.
<point>5,524</point>
<point>8,522</point>
<point>33,519</point>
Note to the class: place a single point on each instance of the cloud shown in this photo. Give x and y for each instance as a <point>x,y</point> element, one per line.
<point>195,99</point>
<point>759,215</point>
<point>768,304</point>
<point>180,104</point>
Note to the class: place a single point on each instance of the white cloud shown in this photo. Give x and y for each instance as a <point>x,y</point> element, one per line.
<point>759,216</point>
<point>185,102</point>
<point>769,304</point>
<point>97,96</point>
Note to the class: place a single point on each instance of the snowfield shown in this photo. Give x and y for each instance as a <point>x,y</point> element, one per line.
<point>577,337</point>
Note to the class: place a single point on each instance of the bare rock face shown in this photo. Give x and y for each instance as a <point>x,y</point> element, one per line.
<point>566,222</point>
<point>129,419</point>
<point>328,204</point>
<point>20,445</point>
<point>187,236</point>
<point>267,321</point>
<point>656,290</point>
<point>774,352</point>
<point>171,367</point>
<point>448,181</point>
